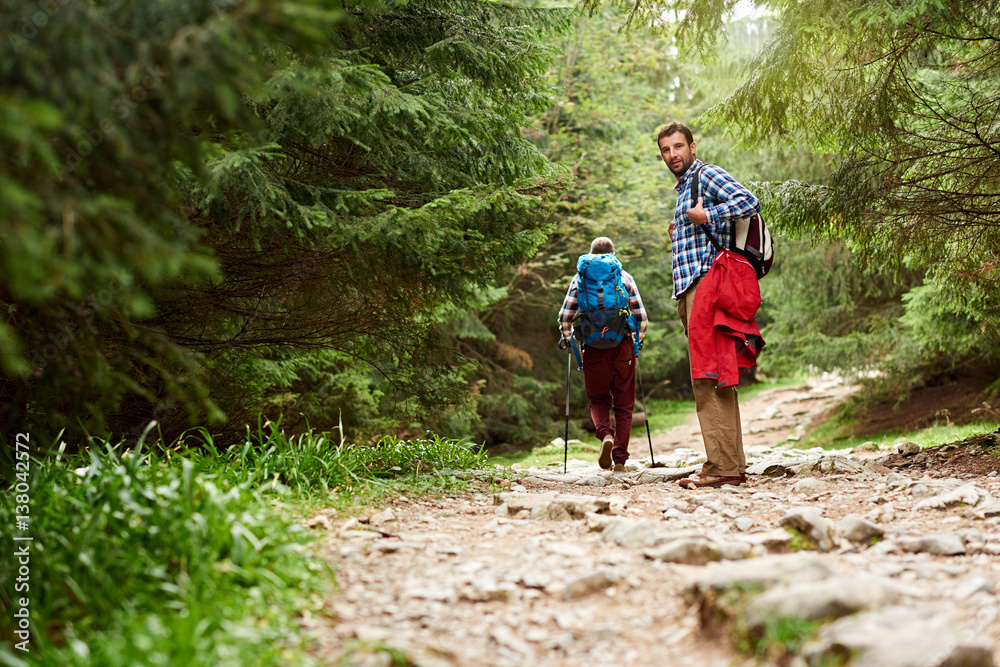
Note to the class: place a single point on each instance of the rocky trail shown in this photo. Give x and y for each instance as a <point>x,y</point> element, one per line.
<point>869,558</point>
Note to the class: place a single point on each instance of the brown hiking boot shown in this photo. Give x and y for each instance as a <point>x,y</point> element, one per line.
<point>604,460</point>
<point>619,467</point>
<point>701,480</point>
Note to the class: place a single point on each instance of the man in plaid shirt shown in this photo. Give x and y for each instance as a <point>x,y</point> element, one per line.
<point>722,201</point>
<point>608,373</point>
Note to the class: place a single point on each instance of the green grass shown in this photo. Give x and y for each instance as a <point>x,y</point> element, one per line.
<point>836,434</point>
<point>785,636</point>
<point>550,454</point>
<point>192,553</point>
<point>667,414</point>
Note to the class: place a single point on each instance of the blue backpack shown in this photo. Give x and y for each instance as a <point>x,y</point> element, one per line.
<point>604,318</point>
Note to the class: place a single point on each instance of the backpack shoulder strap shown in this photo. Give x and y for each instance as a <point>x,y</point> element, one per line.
<point>696,185</point>
<point>695,193</point>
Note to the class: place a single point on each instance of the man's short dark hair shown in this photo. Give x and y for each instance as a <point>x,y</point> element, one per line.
<point>673,128</point>
<point>602,245</point>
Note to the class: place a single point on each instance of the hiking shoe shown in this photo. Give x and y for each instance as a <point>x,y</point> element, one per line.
<point>619,467</point>
<point>701,480</point>
<point>604,460</point>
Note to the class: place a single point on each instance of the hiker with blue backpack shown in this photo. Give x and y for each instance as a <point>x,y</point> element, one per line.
<point>602,318</point>
<point>720,248</point>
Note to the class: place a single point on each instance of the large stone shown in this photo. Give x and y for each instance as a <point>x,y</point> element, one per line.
<point>547,477</point>
<point>698,550</point>
<point>759,573</point>
<point>597,480</point>
<point>642,533</point>
<point>778,467</point>
<point>383,517</point>
<point>719,591</point>
<point>598,522</point>
<point>967,494</point>
<point>837,465</point>
<point>591,582</point>
<point>554,506</point>
<point>809,521</point>
<point>859,530</point>
<point>817,600</point>
<point>899,637</point>
<point>988,509</point>
<point>662,475</point>
<point>971,585</point>
<point>773,541</point>
<point>809,485</point>
<point>939,545</point>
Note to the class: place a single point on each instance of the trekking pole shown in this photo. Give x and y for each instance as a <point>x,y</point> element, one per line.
<point>638,373</point>
<point>569,365</point>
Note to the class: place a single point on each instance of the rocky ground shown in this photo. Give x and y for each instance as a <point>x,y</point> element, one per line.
<point>870,558</point>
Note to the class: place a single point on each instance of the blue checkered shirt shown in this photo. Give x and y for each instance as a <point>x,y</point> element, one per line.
<point>725,201</point>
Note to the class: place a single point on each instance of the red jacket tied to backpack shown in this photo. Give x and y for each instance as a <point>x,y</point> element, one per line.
<point>722,332</point>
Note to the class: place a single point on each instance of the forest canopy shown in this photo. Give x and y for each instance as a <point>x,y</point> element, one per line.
<point>207,204</point>
<point>366,213</point>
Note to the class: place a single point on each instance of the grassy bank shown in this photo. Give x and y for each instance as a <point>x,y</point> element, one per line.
<point>839,434</point>
<point>177,554</point>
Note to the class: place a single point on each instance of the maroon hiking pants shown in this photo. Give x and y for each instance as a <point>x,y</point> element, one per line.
<point>609,376</point>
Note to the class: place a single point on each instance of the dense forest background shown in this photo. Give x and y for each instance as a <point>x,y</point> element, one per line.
<point>367,214</point>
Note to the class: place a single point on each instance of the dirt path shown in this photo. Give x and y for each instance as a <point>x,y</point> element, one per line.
<point>771,417</point>
<point>593,568</point>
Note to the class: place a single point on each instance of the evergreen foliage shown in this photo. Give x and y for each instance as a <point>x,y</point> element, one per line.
<point>903,99</point>
<point>294,190</point>
<point>616,92</point>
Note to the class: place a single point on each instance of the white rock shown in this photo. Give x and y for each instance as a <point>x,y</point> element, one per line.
<point>972,584</point>
<point>859,530</point>
<point>320,521</point>
<point>939,545</point>
<point>536,579</point>
<point>744,523</point>
<point>696,550</point>
<point>816,600</point>
<point>967,494</point>
<point>590,583</point>
<point>507,638</point>
<point>810,522</point>
<point>809,485</point>
<point>763,572</point>
<point>900,637</point>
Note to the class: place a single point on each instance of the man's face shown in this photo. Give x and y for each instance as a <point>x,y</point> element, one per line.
<point>676,152</point>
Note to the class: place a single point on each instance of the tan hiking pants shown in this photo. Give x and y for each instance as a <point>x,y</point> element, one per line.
<point>718,413</point>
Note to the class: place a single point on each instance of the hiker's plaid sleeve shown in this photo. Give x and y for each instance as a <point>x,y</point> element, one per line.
<point>635,303</point>
<point>568,310</point>
<point>725,201</point>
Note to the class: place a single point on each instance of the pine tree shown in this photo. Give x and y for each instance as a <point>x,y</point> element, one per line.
<point>904,98</point>
<point>276,189</point>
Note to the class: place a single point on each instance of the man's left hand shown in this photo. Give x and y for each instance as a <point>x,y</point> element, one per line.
<point>697,214</point>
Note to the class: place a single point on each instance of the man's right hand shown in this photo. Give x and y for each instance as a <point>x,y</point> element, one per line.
<point>697,214</point>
